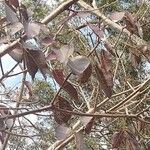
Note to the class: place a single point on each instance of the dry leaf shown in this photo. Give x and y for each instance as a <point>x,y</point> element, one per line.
<point>78,64</point>
<point>60,116</point>
<point>68,87</point>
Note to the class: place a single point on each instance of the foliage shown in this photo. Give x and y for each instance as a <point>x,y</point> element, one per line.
<point>95,88</point>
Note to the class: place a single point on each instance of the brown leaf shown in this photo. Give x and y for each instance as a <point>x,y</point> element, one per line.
<point>132,24</point>
<point>17,53</point>
<point>133,141</point>
<point>4,112</point>
<point>80,144</point>
<point>89,126</point>
<point>109,48</point>
<point>14,28</point>
<point>84,77</point>
<point>64,53</point>
<point>145,50</point>
<point>36,60</point>
<point>23,14</point>
<point>11,15</point>
<point>62,131</point>
<point>103,81</point>
<point>33,29</point>
<point>117,139</point>
<point>78,64</point>
<point>51,56</point>
<point>58,76</point>
<point>14,3</point>
<point>48,40</point>
<point>68,87</point>
<point>97,30</point>
<point>59,116</point>
<point>88,121</point>
<point>117,16</point>
<point>2,21</point>
<point>29,87</point>
<point>135,60</point>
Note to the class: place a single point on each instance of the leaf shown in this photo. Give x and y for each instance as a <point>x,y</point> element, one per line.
<point>66,19</point>
<point>11,16</point>
<point>97,30</point>
<point>118,138</point>
<point>106,67</point>
<point>47,41</point>
<point>145,50</point>
<point>89,126</point>
<point>2,21</point>
<point>36,60</point>
<point>88,122</point>
<point>2,136</point>
<point>23,14</point>
<point>116,16</point>
<point>68,87</point>
<point>109,48</point>
<point>135,60</point>
<point>58,76</point>
<point>51,56</point>
<point>62,131</point>
<point>64,53</point>
<point>60,116</point>
<point>33,29</point>
<point>84,77</point>
<point>29,87</point>
<point>5,112</point>
<point>133,25</point>
<point>103,81</point>
<point>133,141</point>
<point>17,53</point>
<point>78,64</point>
<point>80,144</point>
<point>83,14</point>
<point>14,28</point>
<point>14,3</point>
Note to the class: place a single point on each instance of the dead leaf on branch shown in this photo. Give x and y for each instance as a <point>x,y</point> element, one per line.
<point>84,77</point>
<point>103,81</point>
<point>104,73</point>
<point>88,122</point>
<point>14,3</point>
<point>64,52</point>
<point>59,116</point>
<point>29,87</point>
<point>97,30</point>
<point>78,64</point>
<point>116,16</point>
<point>134,144</point>
<point>62,131</point>
<point>33,29</point>
<point>17,53</point>
<point>132,24</point>
<point>109,48</point>
<point>118,138</point>
<point>79,139</point>
<point>68,87</point>
<point>11,15</point>
<point>36,60</point>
